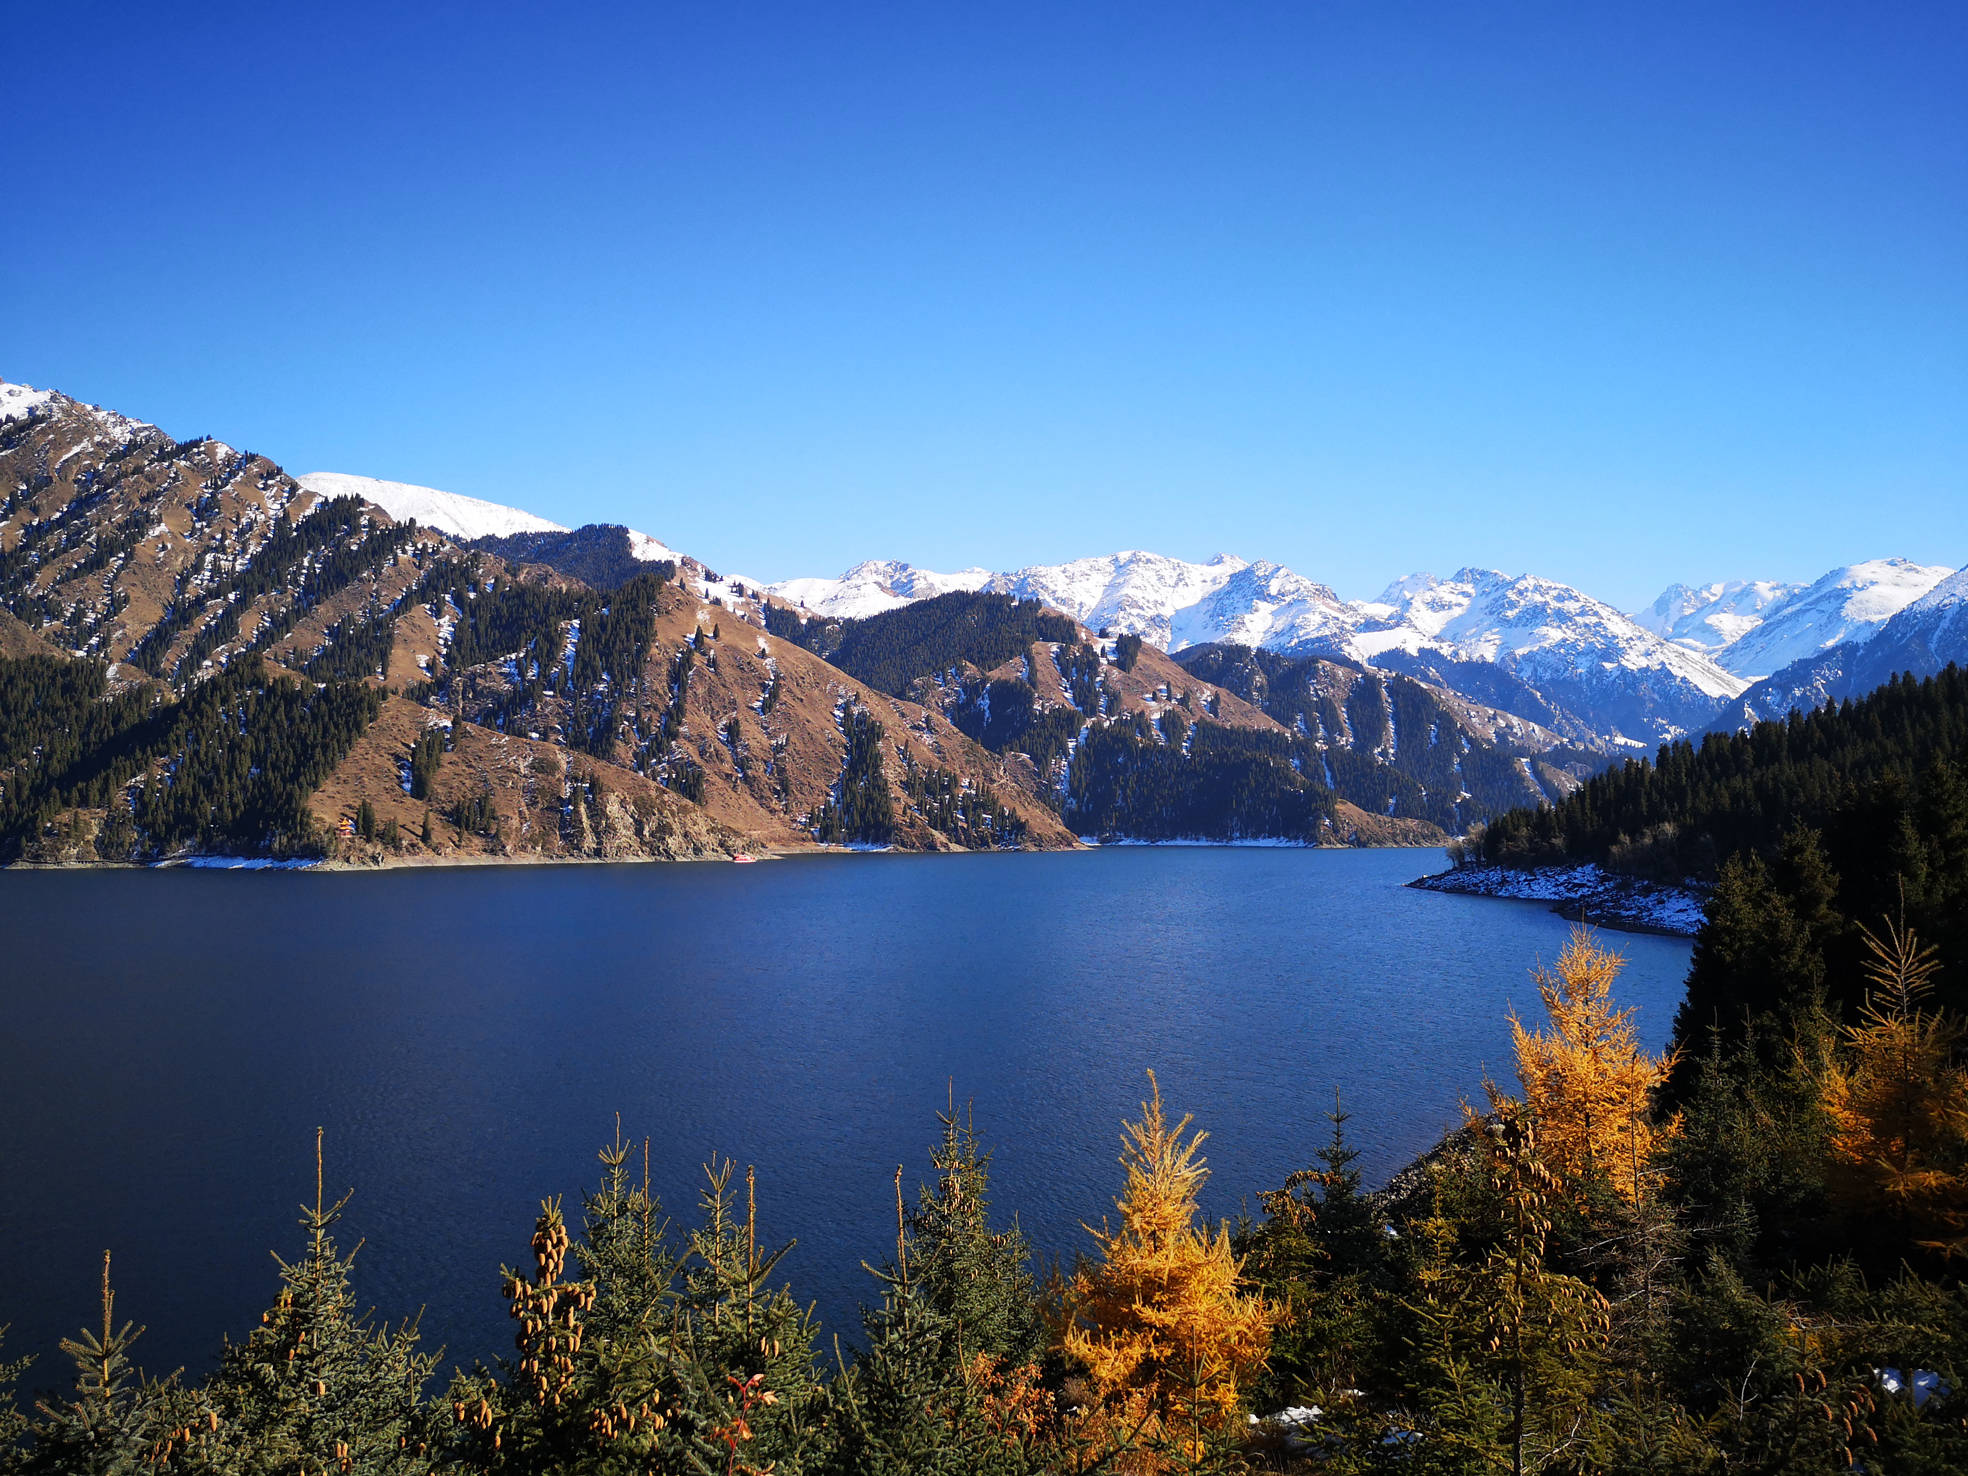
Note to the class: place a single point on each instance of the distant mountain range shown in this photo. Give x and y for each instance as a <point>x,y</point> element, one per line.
<point>201,655</point>
<point>1227,699</point>
<point>1617,680</point>
<point>1698,656</point>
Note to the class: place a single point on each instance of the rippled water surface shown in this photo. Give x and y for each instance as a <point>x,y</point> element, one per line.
<point>466,1037</point>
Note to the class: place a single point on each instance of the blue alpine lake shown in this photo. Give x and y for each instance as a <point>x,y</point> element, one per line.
<point>467,1036</point>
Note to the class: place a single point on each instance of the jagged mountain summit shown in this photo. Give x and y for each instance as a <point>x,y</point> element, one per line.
<point>1710,617</point>
<point>1580,653</point>
<point>874,587</point>
<point>1630,686</point>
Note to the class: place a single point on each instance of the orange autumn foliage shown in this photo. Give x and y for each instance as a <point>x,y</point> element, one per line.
<point>1587,1082</point>
<point>1168,1338</point>
<point>1898,1103</point>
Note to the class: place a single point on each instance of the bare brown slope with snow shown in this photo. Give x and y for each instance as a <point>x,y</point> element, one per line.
<point>174,560</point>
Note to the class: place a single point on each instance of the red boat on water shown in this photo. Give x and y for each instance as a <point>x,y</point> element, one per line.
<point>741,859</point>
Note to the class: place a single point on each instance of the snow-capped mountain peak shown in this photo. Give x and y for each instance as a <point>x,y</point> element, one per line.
<point>18,401</point>
<point>1544,631</point>
<point>1263,604</point>
<point>1951,594</point>
<point>1405,588</point>
<point>449,512</point>
<point>1850,603</point>
<point>1710,617</point>
<point>873,586</point>
<point>1547,635</point>
<point>1133,590</point>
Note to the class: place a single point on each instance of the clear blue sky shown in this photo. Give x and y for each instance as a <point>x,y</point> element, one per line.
<point>1615,293</point>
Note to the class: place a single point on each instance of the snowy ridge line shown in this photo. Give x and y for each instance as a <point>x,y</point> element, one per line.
<point>448,512</point>
<point>1586,891</point>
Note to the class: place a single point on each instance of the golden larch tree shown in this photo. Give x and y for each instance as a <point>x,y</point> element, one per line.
<point>1587,1081</point>
<point>1898,1103</point>
<point>1168,1337</point>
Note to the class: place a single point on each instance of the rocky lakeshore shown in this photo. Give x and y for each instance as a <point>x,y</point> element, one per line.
<point>1586,891</point>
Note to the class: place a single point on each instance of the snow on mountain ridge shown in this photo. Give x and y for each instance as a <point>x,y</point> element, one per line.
<point>1547,634</point>
<point>1542,629</point>
<point>1710,617</point>
<point>1133,590</point>
<point>874,586</point>
<point>1264,604</point>
<point>1921,639</point>
<point>449,512</point>
<point>1850,603</point>
<point>1951,594</point>
<point>22,401</point>
<point>18,401</point>
<point>650,550</point>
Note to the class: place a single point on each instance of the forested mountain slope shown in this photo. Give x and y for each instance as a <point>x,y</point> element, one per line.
<point>1805,828</point>
<point>1694,805</point>
<point>1432,751</point>
<point>605,555</point>
<point>1136,744</point>
<point>245,666</point>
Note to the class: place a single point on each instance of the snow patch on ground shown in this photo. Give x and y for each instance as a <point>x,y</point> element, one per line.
<point>1247,843</point>
<point>651,550</point>
<point>1597,895</point>
<point>242,863</point>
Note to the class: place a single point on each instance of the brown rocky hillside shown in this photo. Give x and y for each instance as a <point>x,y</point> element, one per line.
<point>172,561</point>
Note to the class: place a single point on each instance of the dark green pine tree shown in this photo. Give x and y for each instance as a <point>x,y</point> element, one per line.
<point>743,1353</point>
<point>625,1252</point>
<point>905,1407</point>
<point>317,1386</point>
<point>977,1277</point>
<point>958,1319</point>
<point>592,1389</point>
<point>1944,821</point>
<point>1746,1172</point>
<point>1761,951</point>
<point>117,1422</point>
<point>1320,1251</point>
